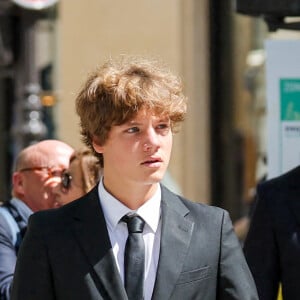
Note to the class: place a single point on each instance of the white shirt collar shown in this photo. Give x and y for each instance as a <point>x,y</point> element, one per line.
<point>114,210</point>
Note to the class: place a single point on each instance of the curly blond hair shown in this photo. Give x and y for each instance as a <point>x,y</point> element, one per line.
<point>115,92</point>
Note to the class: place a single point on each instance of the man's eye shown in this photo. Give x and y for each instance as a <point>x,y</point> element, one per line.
<point>133,129</point>
<point>56,172</point>
<point>163,126</point>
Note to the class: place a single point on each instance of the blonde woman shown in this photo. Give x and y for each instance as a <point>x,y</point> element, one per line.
<point>82,175</point>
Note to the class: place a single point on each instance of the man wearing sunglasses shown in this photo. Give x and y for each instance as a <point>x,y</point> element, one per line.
<point>37,171</point>
<point>130,237</point>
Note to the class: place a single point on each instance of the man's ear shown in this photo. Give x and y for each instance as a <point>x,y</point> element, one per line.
<point>97,145</point>
<point>17,180</point>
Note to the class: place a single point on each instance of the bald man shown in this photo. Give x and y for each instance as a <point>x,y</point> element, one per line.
<point>37,172</point>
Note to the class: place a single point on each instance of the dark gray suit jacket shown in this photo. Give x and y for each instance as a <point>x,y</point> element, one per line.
<point>272,247</point>
<point>67,255</point>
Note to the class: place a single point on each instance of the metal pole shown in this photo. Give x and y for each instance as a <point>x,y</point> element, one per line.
<point>28,127</point>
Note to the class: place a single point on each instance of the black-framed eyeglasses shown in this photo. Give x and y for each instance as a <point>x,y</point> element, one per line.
<point>66,179</point>
<point>51,172</point>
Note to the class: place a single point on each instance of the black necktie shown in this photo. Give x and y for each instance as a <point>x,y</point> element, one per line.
<point>134,258</point>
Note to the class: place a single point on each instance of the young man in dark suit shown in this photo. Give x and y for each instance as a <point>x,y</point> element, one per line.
<point>130,237</point>
<point>272,246</point>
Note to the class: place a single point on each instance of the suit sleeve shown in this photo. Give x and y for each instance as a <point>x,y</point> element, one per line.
<point>7,260</point>
<point>261,251</point>
<point>32,279</point>
<point>235,279</point>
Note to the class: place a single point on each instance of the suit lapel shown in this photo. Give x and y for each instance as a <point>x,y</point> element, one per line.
<point>92,235</point>
<point>90,230</point>
<point>175,239</point>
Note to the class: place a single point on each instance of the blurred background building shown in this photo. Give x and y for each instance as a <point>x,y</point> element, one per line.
<point>47,48</point>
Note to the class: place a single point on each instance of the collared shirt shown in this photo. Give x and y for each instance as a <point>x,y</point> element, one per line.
<point>16,208</point>
<point>150,211</point>
<point>24,210</point>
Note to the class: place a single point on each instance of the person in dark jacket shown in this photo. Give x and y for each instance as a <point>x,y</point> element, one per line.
<point>272,246</point>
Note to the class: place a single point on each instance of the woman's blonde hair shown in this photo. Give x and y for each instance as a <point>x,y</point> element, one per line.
<point>90,167</point>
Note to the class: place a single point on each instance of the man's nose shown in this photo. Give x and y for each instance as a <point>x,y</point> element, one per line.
<point>54,181</point>
<point>151,140</point>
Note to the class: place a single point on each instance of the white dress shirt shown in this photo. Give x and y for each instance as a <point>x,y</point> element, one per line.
<point>113,211</point>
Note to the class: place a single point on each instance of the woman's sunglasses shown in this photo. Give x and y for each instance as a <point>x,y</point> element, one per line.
<point>66,179</point>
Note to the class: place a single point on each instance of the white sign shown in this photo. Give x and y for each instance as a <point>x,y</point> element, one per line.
<point>35,4</point>
<point>283,105</point>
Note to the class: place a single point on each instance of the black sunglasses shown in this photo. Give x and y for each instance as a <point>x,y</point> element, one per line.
<point>66,179</point>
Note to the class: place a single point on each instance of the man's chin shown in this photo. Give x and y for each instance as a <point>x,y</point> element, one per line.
<point>154,179</point>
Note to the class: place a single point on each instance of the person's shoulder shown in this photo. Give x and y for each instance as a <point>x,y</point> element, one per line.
<point>201,205</point>
<point>46,218</point>
<point>8,225</point>
<point>204,209</point>
<point>200,208</point>
<point>57,215</point>
<point>286,180</point>
<point>50,223</point>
